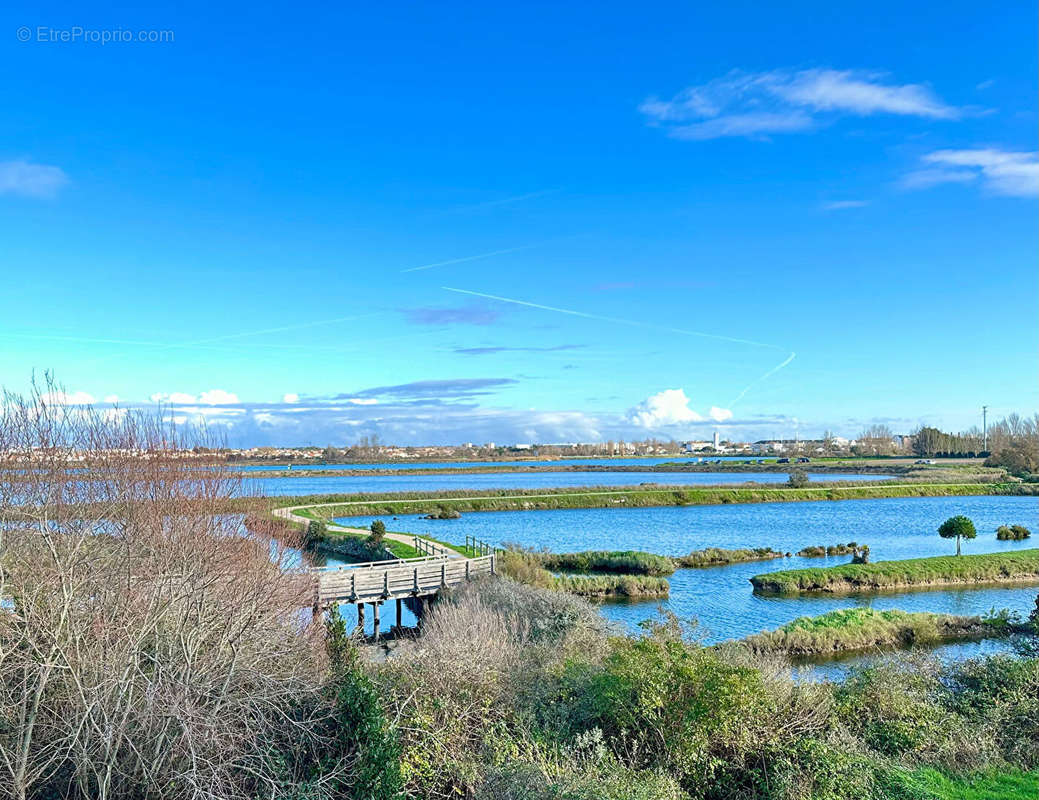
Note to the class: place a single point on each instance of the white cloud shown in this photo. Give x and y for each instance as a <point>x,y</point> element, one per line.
<point>175,398</point>
<point>840,205</point>
<point>111,398</point>
<point>783,101</point>
<point>719,414</point>
<point>291,397</point>
<point>214,397</point>
<point>1003,172</point>
<point>217,397</point>
<point>669,407</point>
<point>363,401</point>
<point>31,180</point>
<point>60,398</point>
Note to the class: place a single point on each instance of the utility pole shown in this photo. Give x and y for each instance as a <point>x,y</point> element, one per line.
<point>984,427</point>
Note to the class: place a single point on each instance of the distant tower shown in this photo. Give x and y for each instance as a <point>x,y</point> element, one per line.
<point>717,440</point>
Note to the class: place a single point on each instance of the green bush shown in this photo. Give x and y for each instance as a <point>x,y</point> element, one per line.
<point>1012,532</point>
<point>316,532</point>
<point>798,479</point>
<point>377,536</point>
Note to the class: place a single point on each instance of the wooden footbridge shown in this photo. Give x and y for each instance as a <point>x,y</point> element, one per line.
<point>407,580</point>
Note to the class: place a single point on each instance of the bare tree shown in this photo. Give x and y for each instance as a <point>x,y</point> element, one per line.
<point>147,646</point>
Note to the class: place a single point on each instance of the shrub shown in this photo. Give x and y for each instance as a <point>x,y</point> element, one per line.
<point>316,532</point>
<point>798,479</point>
<point>900,709</point>
<point>377,535</point>
<point>358,729</point>
<point>1012,532</point>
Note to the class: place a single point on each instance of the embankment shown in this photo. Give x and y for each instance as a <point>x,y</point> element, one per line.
<point>914,573</point>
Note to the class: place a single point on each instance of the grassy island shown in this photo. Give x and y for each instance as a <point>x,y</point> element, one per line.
<point>865,628</point>
<point>343,505</point>
<point>719,557</point>
<point>531,568</point>
<point>1018,567</point>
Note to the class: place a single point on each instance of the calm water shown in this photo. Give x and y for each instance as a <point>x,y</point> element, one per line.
<point>721,597</point>
<point>354,484</point>
<point>533,462</point>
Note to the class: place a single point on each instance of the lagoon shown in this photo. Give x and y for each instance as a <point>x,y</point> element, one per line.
<point>720,598</point>
<point>355,484</point>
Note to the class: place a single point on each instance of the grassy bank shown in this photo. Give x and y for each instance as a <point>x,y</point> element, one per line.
<point>719,557</point>
<point>627,562</point>
<point>528,567</point>
<point>328,506</point>
<point>1018,567</point>
<point>865,628</point>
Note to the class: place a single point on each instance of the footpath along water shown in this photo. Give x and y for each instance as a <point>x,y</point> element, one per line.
<point>354,484</point>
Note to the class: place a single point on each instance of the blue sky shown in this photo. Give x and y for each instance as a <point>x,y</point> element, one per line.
<point>537,222</point>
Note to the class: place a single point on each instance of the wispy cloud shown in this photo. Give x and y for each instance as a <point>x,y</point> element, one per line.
<point>841,205</point>
<point>758,104</point>
<point>465,259</point>
<point>1002,172</point>
<point>486,351</point>
<point>31,180</point>
<point>462,315</point>
<point>503,201</point>
<point>442,389</point>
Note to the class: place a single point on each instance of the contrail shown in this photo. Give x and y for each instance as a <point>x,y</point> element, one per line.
<point>503,201</point>
<point>768,374</point>
<point>617,320</point>
<point>470,258</point>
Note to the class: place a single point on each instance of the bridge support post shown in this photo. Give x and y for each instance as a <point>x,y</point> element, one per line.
<point>375,620</point>
<point>493,559</point>
<point>443,574</point>
<point>400,611</point>
<point>360,617</point>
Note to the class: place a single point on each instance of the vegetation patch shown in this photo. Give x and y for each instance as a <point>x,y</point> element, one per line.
<point>329,506</point>
<point>627,562</point>
<point>1019,567</point>
<point>1013,533</point>
<point>864,628</point>
<point>718,557</point>
<point>528,567</point>
<point>818,551</point>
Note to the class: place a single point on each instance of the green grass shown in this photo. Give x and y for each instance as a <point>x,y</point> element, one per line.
<point>627,562</point>
<point>613,585</point>
<point>1020,566</point>
<point>526,566</point>
<point>1005,784</point>
<point>717,556</point>
<point>329,506</point>
<point>864,628</point>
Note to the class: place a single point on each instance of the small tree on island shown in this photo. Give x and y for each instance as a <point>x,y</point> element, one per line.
<point>378,533</point>
<point>958,527</point>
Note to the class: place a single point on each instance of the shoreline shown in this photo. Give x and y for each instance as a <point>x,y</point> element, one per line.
<point>405,503</point>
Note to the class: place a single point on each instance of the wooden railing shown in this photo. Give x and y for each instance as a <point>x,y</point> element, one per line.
<point>433,548</point>
<point>386,580</point>
<point>479,546</point>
